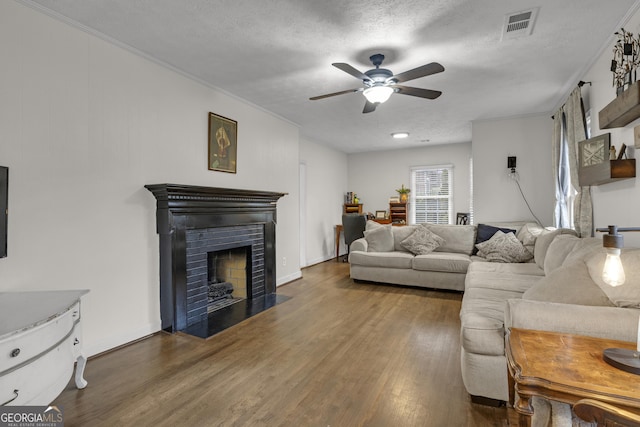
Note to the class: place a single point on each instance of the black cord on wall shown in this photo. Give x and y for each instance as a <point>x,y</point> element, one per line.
<point>514,175</point>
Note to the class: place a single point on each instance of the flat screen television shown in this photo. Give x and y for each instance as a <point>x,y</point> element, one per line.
<point>4,200</point>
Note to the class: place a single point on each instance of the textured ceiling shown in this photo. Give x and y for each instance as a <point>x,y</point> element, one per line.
<point>278,53</point>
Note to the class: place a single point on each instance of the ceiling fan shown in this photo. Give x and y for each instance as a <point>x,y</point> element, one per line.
<point>380,83</point>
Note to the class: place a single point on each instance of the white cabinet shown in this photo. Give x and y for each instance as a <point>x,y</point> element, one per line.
<point>40,340</point>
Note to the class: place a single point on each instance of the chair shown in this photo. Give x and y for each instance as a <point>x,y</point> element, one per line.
<point>604,414</point>
<point>353,226</point>
<point>462,218</point>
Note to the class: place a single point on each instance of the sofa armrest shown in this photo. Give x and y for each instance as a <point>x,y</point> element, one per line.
<point>595,321</point>
<point>359,245</point>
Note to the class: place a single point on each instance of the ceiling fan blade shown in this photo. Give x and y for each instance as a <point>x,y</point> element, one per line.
<point>369,107</point>
<point>342,92</point>
<point>416,73</point>
<point>350,70</point>
<point>419,92</point>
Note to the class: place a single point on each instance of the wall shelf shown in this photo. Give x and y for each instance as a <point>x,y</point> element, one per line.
<point>608,171</point>
<point>624,109</point>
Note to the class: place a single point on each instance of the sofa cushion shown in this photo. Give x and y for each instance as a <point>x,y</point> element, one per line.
<point>566,249</point>
<point>544,240</point>
<point>557,252</point>
<point>627,294</point>
<point>584,250</point>
<point>442,261</point>
<point>422,241</point>
<point>379,239</point>
<point>509,278</point>
<point>382,259</point>
<point>503,247</point>
<point>486,232</point>
<point>457,238</point>
<point>400,233</point>
<point>482,320</point>
<point>525,268</point>
<point>569,284</point>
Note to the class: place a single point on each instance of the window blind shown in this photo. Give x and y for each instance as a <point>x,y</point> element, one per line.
<point>432,194</point>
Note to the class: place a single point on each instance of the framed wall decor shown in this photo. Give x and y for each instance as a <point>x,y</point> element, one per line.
<point>223,143</point>
<point>381,214</point>
<point>594,151</point>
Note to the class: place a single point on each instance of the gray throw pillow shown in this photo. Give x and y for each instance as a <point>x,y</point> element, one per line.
<point>379,239</point>
<point>504,247</point>
<point>422,241</point>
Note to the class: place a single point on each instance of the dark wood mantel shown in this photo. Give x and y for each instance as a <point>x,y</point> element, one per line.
<point>185,207</point>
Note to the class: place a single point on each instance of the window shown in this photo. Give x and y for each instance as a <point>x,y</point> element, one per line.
<point>432,194</point>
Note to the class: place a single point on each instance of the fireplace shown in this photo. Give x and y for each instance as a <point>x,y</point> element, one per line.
<point>214,236</point>
<point>227,274</point>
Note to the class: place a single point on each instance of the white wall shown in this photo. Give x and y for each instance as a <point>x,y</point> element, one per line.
<point>326,184</point>
<point>84,125</point>
<point>496,196</point>
<point>616,203</point>
<point>375,176</point>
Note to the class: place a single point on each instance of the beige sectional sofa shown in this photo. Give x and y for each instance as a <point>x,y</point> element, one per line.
<point>380,256</point>
<point>559,289</point>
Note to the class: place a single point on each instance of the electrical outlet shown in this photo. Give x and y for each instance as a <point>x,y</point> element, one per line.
<point>284,260</point>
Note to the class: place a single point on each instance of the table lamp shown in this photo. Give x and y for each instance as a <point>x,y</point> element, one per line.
<point>613,275</point>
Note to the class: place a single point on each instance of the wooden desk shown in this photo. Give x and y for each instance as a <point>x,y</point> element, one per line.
<point>565,368</point>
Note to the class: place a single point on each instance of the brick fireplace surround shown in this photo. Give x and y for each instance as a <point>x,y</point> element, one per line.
<point>192,221</point>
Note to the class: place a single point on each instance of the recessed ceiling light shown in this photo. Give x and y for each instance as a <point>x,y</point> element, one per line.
<point>400,135</point>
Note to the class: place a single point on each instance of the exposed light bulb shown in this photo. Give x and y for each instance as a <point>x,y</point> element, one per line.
<point>613,272</point>
<point>377,94</point>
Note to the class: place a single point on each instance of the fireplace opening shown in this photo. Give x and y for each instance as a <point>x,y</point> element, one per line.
<point>228,274</point>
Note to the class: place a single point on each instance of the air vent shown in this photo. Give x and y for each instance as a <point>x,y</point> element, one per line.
<point>519,24</point>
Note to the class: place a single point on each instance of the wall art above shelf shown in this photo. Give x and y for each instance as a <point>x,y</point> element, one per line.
<point>624,109</point>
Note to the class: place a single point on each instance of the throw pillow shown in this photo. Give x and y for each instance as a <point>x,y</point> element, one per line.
<point>528,234</point>
<point>379,239</point>
<point>422,241</point>
<point>627,294</point>
<point>504,247</point>
<point>401,233</point>
<point>370,225</point>
<point>486,232</point>
<point>569,284</point>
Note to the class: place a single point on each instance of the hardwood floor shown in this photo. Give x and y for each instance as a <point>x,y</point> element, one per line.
<point>338,353</point>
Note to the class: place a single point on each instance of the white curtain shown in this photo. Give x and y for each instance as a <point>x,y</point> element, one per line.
<point>575,127</point>
<point>562,217</point>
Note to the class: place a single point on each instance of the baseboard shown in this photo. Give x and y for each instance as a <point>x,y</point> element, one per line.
<point>290,278</point>
<point>114,341</point>
<point>321,259</point>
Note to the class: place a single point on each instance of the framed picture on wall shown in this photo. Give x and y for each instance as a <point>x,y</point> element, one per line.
<point>223,144</point>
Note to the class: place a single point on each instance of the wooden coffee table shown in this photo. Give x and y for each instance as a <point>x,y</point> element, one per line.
<point>565,368</point>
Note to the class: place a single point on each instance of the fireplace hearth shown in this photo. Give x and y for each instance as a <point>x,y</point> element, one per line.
<point>216,244</point>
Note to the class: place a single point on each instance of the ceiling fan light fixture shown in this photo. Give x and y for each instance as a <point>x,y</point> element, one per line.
<point>378,94</point>
<point>400,135</point>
